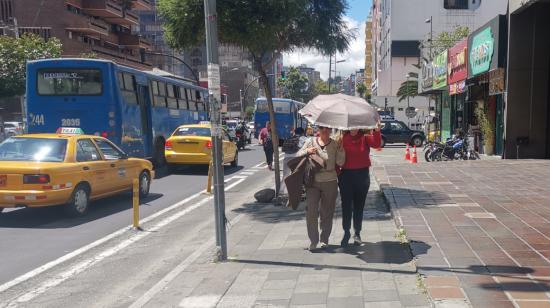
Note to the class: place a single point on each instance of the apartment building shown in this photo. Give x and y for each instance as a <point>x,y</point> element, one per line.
<point>368,54</point>
<point>99,27</point>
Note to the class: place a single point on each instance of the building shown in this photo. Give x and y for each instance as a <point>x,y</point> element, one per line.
<point>312,75</point>
<point>359,78</point>
<point>84,27</point>
<point>368,55</point>
<point>398,29</point>
<point>527,111</point>
<point>161,55</point>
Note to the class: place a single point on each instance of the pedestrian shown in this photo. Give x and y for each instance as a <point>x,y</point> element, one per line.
<point>267,142</point>
<point>290,147</point>
<point>322,193</point>
<point>354,179</point>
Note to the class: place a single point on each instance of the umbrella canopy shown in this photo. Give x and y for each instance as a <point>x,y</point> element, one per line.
<point>341,111</point>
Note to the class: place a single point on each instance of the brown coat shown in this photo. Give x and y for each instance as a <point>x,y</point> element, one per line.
<point>303,170</point>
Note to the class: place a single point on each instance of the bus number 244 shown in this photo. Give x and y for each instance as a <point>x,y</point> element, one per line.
<point>37,119</point>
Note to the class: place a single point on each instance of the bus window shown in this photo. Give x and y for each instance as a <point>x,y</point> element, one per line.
<point>128,89</point>
<point>155,87</point>
<point>159,100</point>
<point>61,81</point>
<point>172,101</point>
<point>191,98</point>
<point>120,80</point>
<point>182,98</point>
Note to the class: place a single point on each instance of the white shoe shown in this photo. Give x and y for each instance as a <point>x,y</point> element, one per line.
<point>312,247</point>
<point>357,240</point>
<point>324,245</point>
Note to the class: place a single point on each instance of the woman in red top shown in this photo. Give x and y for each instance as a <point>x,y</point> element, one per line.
<point>354,179</point>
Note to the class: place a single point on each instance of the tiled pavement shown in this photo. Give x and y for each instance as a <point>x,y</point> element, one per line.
<point>479,230</point>
<point>269,266</point>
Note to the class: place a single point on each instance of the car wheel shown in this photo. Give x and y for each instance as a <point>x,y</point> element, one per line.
<point>383,143</point>
<point>417,141</point>
<point>159,160</point>
<point>79,201</point>
<point>235,161</point>
<point>144,184</point>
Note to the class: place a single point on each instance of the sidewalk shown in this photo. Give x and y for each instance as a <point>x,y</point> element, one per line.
<point>269,266</point>
<point>479,230</point>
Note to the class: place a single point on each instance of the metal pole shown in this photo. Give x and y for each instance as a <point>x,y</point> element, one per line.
<point>408,101</point>
<point>242,103</point>
<point>431,35</point>
<point>329,71</point>
<point>176,58</point>
<point>211,24</point>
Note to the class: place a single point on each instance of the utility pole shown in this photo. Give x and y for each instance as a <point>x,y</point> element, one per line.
<point>214,96</point>
<point>329,71</point>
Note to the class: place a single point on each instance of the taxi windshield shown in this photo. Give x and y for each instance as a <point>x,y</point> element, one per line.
<point>193,131</point>
<point>33,149</point>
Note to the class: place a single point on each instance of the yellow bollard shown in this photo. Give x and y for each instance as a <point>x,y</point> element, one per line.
<point>209,184</point>
<point>136,203</point>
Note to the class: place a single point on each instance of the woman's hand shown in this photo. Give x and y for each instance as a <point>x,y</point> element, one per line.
<point>378,126</point>
<point>312,151</point>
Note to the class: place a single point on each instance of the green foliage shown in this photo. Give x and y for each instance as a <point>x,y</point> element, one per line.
<point>89,55</point>
<point>361,89</point>
<point>485,124</point>
<point>14,54</point>
<point>296,85</point>
<point>409,88</point>
<point>249,111</point>
<point>446,40</point>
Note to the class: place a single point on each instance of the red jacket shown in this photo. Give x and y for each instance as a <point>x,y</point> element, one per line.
<point>358,149</point>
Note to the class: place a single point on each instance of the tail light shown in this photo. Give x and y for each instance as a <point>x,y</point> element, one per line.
<point>168,145</point>
<point>36,179</point>
<point>209,144</point>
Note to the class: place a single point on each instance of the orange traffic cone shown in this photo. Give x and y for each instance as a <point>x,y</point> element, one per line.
<point>414,159</point>
<point>407,153</point>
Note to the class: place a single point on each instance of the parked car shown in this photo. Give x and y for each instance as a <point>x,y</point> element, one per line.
<point>13,128</point>
<point>398,132</point>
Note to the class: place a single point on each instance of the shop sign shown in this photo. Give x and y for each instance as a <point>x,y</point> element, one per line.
<point>426,77</point>
<point>457,68</point>
<point>457,87</point>
<point>481,51</point>
<point>440,70</point>
<point>496,81</point>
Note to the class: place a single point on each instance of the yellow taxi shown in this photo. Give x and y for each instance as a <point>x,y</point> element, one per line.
<point>192,145</point>
<point>66,168</point>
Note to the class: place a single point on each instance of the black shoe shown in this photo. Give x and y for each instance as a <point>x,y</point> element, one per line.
<point>345,239</point>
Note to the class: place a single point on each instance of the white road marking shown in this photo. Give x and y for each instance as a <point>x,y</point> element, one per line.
<point>87,263</point>
<point>159,286</point>
<point>94,244</point>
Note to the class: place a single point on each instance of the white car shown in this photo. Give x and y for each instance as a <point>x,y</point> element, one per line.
<point>13,128</point>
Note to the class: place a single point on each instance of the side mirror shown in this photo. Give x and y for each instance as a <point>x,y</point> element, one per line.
<point>124,156</point>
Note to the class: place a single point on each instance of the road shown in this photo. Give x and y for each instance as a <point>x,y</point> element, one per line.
<point>34,237</point>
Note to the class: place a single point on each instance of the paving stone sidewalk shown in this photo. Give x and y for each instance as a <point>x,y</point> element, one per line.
<point>479,230</point>
<point>270,267</point>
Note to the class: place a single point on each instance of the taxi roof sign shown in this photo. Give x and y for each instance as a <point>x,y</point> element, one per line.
<point>70,131</point>
<point>204,122</point>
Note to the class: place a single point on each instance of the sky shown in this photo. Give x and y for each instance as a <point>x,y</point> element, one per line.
<point>354,58</point>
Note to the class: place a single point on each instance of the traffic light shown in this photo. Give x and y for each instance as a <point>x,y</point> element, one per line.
<point>283,75</point>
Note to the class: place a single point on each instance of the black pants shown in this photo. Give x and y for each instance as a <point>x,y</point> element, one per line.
<point>268,155</point>
<point>354,186</point>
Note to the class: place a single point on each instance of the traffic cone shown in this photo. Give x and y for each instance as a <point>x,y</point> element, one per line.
<point>407,153</point>
<point>414,159</point>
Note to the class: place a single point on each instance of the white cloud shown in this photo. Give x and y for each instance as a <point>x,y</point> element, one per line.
<point>355,56</point>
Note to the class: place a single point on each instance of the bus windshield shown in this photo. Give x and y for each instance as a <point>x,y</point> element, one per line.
<point>33,149</point>
<point>69,82</point>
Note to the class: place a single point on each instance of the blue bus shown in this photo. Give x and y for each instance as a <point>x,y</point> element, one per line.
<point>136,110</point>
<point>287,118</point>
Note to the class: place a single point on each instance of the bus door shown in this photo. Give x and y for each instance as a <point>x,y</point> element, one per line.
<point>145,110</point>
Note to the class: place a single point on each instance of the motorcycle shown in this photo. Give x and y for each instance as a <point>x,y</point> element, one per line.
<point>453,149</point>
<point>240,140</point>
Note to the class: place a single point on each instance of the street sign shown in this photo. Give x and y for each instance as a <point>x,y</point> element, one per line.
<point>214,81</point>
<point>410,112</point>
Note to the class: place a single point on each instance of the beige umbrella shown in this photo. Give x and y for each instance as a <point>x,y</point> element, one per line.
<point>341,111</point>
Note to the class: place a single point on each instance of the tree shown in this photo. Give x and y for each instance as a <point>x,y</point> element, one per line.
<point>445,40</point>
<point>361,89</point>
<point>266,28</point>
<point>409,88</point>
<point>296,85</point>
<point>14,54</point>
<point>249,111</point>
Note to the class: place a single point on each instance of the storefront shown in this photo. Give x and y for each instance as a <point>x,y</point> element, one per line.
<point>484,106</point>
<point>443,101</point>
<point>457,72</point>
<point>425,88</point>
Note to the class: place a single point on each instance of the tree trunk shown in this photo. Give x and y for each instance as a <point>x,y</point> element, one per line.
<point>274,136</point>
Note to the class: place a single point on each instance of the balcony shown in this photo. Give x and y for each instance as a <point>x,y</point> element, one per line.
<point>102,8</point>
<point>142,5</point>
<point>133,41</point>
<point>88,25</point>
<point>127,19</point>
<point>120,57</point>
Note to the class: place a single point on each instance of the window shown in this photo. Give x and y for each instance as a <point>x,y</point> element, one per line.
<point>192,131</point>
<point>33,149</point>
<point>399,109</point>
<point>182,101</point>
<point>159,99</point>
<point>171,100</point>
<point>110,152</point>
<point>192,102</point>
<point>127,82</point>
<point>69,82</point>
<point>86,151</point>
<point>396,126</point>
<point>154,87</point>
